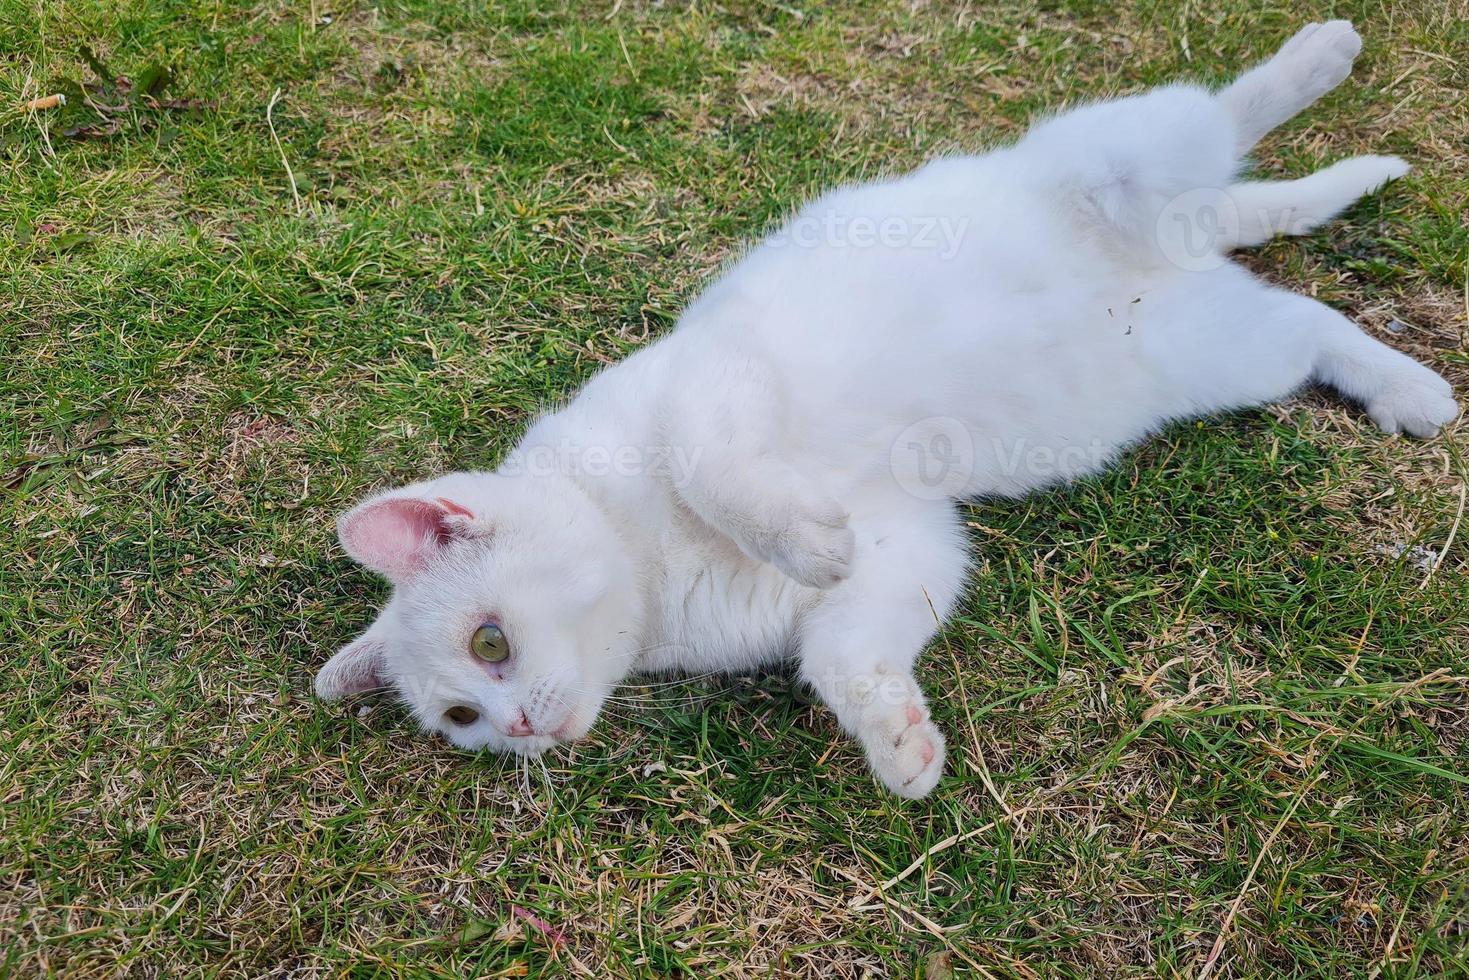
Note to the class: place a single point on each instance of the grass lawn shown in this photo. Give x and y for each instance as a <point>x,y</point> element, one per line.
<point>1217,699</point>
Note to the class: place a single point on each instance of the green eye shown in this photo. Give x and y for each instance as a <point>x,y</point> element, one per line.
<point>489,644</point>
<point>462,715</point>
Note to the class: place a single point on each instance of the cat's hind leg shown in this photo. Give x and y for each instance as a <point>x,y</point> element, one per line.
<point>1123,167</point>
<point>857,648</point>
<point>1313,62</point>
<point>1113,168</point>
<point>1399,394</point>
<point>1242,343</point>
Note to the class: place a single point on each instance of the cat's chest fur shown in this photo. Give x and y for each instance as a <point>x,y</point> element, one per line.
<point>715,608</point>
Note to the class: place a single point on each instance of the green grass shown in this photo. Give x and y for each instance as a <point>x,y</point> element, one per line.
<point>1211,687</point>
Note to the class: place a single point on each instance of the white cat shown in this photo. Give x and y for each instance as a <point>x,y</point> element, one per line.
<point>776,478</point>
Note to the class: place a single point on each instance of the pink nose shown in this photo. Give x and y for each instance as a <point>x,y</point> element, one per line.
<point>521,725</point>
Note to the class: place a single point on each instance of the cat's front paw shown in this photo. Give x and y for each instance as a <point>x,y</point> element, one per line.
<point>1413,399</point>
<point>906,750</point>
<point>815,546</point>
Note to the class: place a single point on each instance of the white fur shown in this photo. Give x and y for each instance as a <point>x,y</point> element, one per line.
<point>776,478</point>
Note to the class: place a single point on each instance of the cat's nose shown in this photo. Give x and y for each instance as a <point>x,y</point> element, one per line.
<point>521,725</point>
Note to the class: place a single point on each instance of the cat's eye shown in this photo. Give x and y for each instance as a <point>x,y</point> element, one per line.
<point>462,714</point>
<point>489,644</point>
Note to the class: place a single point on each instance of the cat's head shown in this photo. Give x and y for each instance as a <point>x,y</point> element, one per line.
<point>513,609</point>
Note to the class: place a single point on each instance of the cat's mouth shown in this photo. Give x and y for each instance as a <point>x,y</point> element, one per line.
<point>533,745</point>
<point>480,741</point>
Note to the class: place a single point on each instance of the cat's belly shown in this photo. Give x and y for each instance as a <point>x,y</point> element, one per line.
<point>971,408</point>
<point>718,609</point>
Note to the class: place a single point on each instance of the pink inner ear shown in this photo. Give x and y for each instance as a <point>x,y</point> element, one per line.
<point>355,669</point>
<point>395,536</point>
<point>454,508</point>
<point>361,683</point>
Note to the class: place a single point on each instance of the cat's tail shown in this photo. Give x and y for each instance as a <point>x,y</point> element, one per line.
<point>1256,211</point>
<point>1154,199</point>
<point>1151,178</point>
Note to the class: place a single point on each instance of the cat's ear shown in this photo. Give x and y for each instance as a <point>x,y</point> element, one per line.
<point>355,668</point>
<point>395,535</point>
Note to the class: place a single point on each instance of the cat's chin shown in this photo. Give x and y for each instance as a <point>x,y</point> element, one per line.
<point>574,727</point>
<point>532,745</point>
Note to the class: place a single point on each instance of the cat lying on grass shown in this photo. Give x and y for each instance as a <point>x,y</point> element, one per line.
<point>776,479</point>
